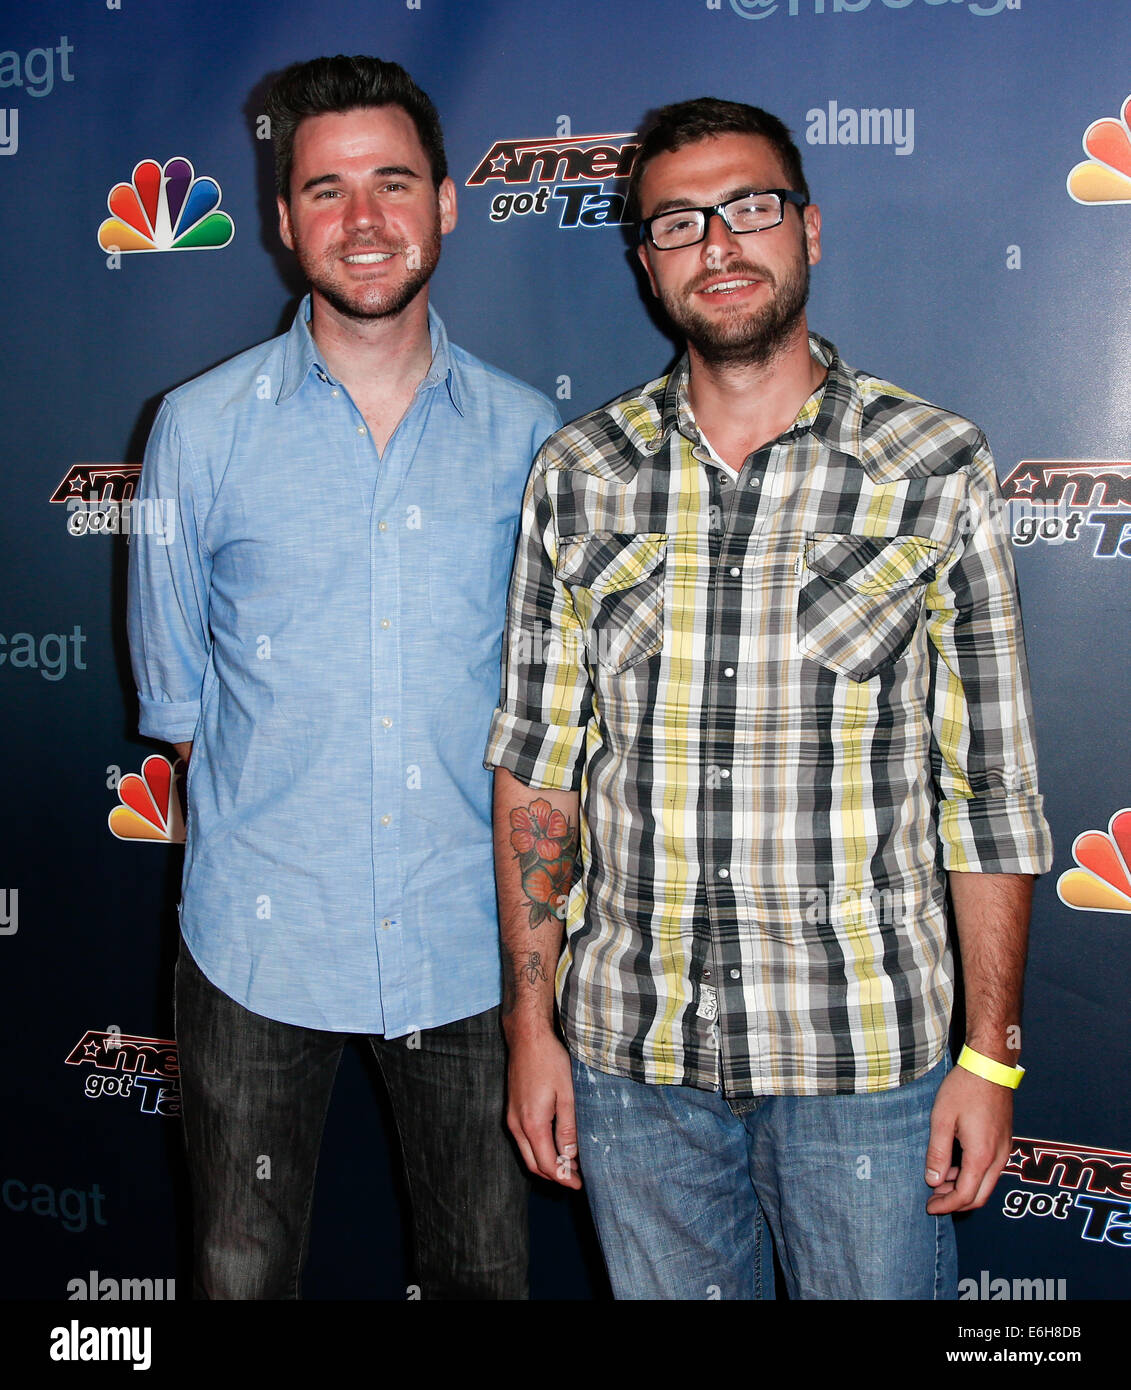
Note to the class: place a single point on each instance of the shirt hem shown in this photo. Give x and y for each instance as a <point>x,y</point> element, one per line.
<point>601,1063</point>
<point>461,1012</point>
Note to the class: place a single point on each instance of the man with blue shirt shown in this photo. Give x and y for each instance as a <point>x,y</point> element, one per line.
<point>323,639</point>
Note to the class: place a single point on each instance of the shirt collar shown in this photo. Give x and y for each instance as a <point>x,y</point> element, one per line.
<point>836,412</point>
<point>833,412</point>
<point>301,357</point>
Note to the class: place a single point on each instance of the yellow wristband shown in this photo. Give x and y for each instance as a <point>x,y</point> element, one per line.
<point>986,1067</point>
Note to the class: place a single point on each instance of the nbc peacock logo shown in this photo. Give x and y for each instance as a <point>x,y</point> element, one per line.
<point>1105,176</point>
<point>165,209</point>
<point>753,9</point>
<point>150,806</point>
<point>1101,882</point>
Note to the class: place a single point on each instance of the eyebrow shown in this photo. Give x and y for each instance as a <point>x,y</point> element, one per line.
<point>385,171</point>
<point>675,204</point>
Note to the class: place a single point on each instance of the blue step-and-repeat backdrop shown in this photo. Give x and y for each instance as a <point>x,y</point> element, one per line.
<point>972,159</point>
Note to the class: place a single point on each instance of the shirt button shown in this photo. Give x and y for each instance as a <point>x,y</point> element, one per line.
<point>735,571</point>
<point>382,526</point>
<point>724,873</point>
<point>724,772</point>
<point>361,429</point>
<point>728,672</point>
<point>335,393</point>
<point>736,974</point>
<point>386,922</point>
<point>386,820</point>
<point>755,482</point>
<point>385,623</point>
<point>387,722</point>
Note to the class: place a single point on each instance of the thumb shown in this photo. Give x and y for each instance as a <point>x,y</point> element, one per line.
<point>940,1146</point>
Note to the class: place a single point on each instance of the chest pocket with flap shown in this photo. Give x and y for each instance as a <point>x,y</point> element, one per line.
<point>617,583</point>
<point>861,599</point>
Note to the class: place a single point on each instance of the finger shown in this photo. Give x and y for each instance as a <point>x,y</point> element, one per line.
<point>989,1180</point>
<point>947,1184</point>
<point>971,1175</point>
<point>541,1136</point>
<point>519,1137</point>
<point>946,1197</point>
<point>944,1203</point>
<point>566,1173</point>
<point>565,1131</point>
<point>940,1151</point>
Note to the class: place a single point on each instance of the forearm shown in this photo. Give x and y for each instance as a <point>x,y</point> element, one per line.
<point>536,837</point>
<point>991,914</point>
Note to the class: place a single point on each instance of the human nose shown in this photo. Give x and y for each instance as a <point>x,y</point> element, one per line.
<point>364,210</point>
<point>718,239</point>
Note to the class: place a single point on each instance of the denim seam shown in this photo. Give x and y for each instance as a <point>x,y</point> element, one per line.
<point>938,1259</point>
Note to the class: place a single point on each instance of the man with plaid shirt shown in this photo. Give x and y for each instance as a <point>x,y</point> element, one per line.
<point>765,684</point>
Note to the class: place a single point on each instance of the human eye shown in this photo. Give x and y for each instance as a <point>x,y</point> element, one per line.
<point>754,209</point>
<point>675,223</point>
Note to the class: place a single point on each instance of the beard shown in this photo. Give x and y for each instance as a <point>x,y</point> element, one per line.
<point>742,337</point>
<point>367,302</point>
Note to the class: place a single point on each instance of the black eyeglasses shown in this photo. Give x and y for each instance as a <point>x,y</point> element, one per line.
<point>753,212</point>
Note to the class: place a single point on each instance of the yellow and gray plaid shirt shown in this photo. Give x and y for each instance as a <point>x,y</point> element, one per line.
<point>791,699</point>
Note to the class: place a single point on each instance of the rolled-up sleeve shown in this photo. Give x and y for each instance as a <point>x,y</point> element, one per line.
<point>167,615</point>
<point>983,748</point>
<point>538,731</point>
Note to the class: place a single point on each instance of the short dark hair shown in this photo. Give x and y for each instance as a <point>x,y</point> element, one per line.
<point>685,122</point>
<point>325,85</point>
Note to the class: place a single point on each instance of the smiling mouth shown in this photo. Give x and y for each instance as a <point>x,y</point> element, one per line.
<point>368,257</point>
<point>726,286</point>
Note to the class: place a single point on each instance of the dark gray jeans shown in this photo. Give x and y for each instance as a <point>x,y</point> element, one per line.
<point>255,1088</point>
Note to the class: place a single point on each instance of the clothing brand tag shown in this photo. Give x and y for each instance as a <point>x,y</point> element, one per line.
<point>708,1004</point>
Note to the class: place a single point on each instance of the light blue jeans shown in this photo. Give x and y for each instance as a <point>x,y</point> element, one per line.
<point>682,1186</point>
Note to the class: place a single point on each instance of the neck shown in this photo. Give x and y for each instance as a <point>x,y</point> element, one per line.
<point>384,357</point>
<point>741,406</point>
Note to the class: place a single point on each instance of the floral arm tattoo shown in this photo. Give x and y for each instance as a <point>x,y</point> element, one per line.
<point>546,847</point>
<point>537,856</point>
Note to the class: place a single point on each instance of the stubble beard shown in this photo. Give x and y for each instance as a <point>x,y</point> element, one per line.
<point>744,338</point>
<point>359,304</point>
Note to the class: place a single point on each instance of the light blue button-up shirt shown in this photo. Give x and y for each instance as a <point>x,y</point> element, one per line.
<point>325,627</point>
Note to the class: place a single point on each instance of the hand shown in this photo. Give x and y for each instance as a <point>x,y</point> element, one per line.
<point>540,1107</point>
<point>979,1114</point>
